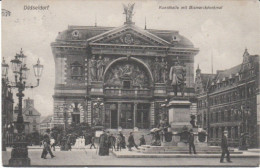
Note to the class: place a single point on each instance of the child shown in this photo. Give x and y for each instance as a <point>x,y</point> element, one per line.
<point>92,142</point>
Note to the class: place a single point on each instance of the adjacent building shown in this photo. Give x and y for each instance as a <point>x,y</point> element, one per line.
<point>7,112</point>
<point>46,123</point>
<point>31,117</point>
<point>229,100</point>
<point>118,76</point>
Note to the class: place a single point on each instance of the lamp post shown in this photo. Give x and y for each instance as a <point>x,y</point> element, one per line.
<point>19,154</point>
<point>164,116</point>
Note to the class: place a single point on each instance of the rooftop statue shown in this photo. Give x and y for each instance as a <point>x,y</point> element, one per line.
<point>128,11</point>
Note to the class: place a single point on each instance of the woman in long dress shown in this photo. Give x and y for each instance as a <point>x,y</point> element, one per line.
<point>103,145</point>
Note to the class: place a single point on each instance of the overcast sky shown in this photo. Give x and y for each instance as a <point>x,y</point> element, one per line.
<point>222,33</point>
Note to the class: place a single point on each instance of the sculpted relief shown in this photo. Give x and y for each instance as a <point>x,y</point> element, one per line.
<point>159,70</point>
<point>97,67</point>
<point>127,71</point>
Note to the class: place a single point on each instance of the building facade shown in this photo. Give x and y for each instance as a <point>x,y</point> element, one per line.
<point>31,116</point>
<point>229,100</point>
<point>118,76</point>
<point>7,112</point>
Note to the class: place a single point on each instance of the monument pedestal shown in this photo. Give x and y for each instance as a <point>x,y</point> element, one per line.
<point>179,113</point>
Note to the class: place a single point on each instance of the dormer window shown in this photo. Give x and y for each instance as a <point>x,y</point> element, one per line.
<point>30,112</point>
<point>76,70</point>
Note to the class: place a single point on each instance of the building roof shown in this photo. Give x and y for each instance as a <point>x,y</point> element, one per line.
<point>206,79</point>
<point>34,111</point>
<point>87,32</point>
<point>232,72</point>
<point>228,72</point>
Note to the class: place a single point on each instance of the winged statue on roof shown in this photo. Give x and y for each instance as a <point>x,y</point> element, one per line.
<point>128,11</point>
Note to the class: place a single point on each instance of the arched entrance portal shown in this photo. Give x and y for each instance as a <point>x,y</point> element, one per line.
<point>127,88</point>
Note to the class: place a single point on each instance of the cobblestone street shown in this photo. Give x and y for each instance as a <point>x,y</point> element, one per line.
<point>84,157</point>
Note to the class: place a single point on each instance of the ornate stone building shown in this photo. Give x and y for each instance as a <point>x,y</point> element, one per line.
<point>229,100</point>
<point>118,76</point>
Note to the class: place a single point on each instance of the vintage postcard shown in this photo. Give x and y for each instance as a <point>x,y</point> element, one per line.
<point>130,83</point>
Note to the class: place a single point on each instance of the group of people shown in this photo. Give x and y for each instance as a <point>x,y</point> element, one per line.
<point>107,141</point>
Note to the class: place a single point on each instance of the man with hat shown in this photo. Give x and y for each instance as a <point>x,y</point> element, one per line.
<point>191,142</point>
<point>131,142</point>
<point>224,147</point>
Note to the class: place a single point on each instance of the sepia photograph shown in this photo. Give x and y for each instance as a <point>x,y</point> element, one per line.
<point>140,83</point>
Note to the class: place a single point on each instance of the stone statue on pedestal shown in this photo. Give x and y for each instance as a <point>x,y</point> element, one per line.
<point>100,68</point>
<point>163,70</point>
<point>128,11</point>
<point>177,77</point>
<point>156,70</point>
<point>93,69</point>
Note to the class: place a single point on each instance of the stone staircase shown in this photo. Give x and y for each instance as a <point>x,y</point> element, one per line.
<point>147,149</point>
<point>137,134</point>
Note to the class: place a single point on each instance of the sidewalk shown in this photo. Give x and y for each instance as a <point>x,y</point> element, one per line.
<point>137,154</point>
<point>89,157</point>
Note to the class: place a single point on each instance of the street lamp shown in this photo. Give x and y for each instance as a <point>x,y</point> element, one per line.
<point>19,154</point>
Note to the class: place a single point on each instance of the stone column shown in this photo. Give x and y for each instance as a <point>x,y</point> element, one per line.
<point>135,111</point>
<point>89,113</point>
<point>118,114</point>
<point>152,122</point>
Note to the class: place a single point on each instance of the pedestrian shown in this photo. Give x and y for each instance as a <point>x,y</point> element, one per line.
<point>118,142</point>
<point>191,142</point>
<point>112,141</point>
<point>92,142</point>
<point>44,151</point>
<point>103,144</point>
<point>69,142</point>
<point>47,146</point>
<point>131,142</point>
<point>142,141</point>
<point>53,143</point>
<point>224,147</point>
<point>123,144</point>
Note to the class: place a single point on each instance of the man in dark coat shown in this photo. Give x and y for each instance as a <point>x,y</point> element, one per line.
<point>47,146</point>
<point>191,142</point>
<point>103,144</point>
<point>224,147</point>
<point>112,141</point>
<point>123,140</point>
<point>131,142</point>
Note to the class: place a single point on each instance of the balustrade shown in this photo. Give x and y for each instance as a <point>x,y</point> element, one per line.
<point>127,92</point>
